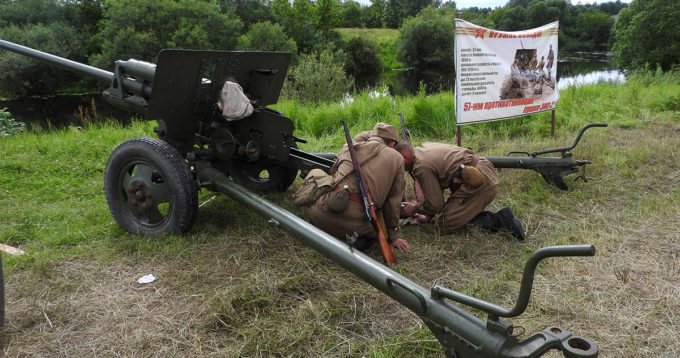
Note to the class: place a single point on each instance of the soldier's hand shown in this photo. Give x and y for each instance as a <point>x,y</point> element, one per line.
<point>409,208</point>
<point>401,245</point>
<point>422,218</point>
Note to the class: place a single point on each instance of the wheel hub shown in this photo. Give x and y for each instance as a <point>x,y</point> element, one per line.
<point>138,195</point>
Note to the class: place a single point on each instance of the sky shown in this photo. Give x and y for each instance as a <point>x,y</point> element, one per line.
<point>462,4</point>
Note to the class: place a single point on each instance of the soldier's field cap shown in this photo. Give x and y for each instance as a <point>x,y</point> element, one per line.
<point>385,130</point>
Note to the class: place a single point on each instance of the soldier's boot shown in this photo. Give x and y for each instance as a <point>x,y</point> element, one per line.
<point>503,219</point>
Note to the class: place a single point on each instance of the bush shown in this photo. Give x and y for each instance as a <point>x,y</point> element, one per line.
<point>24,12</point>
<point>318,78</point>
<point>128,30</point>
<point>23,76</point>
<point>265,36</point>
<point>363,62</point>
<point>426,42</point>
<point>8,125</point>
<point>646,32</point>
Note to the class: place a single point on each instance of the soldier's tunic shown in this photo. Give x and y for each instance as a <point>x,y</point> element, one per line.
<point>435,166</point>
<point>384,174</point>
<point>532,64</point>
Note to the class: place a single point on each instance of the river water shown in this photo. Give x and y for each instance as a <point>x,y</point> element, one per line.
<point>579,68</point>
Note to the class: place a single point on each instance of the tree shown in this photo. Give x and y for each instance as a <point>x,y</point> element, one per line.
<point>128,30</point>
<point>363,62</point>
<point>318,78</point>
<point>24,12</point>
<point>426,42</point>
<point>393,14</point>
<point>249,11</point>
<point>647,34</point>
<point>300,23</point>
<point>477,16</point>
<point>23,76</point>
<point>512,19</point>
<point>595,27</point>
<point>612,7</point>
<point>328,14</point>
<point>85,16</point>
<point>350,14</point>
<point>265,36</point>
<point>373,15</point>
<point>539,13</point>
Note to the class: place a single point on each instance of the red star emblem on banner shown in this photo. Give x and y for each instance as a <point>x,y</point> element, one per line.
<point>480,33</point>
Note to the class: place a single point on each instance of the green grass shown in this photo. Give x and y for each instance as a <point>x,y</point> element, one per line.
<point>235,286</point>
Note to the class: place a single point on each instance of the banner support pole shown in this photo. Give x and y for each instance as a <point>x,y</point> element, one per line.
<point>458,129</point>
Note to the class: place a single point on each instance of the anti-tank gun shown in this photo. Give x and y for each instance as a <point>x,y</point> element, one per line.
<point>150,188</point>
<point>151,183</point>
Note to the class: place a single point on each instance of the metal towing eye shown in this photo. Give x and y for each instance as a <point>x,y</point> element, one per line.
<point>461,333</point>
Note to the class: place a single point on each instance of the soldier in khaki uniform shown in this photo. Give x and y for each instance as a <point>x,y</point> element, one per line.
<point>437,167</point>
<point>383,169</point>
<point>532,64</point>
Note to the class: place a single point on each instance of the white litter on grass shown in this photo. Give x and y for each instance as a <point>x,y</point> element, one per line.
<point>147,279</point>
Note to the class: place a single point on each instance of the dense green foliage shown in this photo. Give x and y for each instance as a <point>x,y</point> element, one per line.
<point>8,125</point>
<point>265,36</point>
<point>647,34</point>
<point>100,31</point>
<point>23,76</point>
<point>318,78</point>
<point>129,31</point>
<point>426,42</point>
<point>363,63</point>
<point>582,27</point>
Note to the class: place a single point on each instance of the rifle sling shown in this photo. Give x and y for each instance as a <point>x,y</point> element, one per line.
<point>369,157</point>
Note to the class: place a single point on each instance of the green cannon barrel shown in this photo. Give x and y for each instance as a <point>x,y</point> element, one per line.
<point>461,333</point>
<point>130,83</point>
<point>60,62</point>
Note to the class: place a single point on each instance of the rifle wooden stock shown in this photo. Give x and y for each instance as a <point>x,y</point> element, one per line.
<point>371,211</point>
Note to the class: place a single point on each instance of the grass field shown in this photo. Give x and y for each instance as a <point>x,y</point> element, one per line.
<point>237,287</point>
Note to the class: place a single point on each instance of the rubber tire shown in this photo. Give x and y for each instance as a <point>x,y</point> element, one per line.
<point>248,174</point>
<point>165,177</point>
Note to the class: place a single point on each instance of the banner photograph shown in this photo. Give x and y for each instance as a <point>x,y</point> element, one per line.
<point>501,74</point>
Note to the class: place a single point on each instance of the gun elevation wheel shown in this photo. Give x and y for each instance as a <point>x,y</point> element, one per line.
<point>150,188</point>
<point>262,176</point>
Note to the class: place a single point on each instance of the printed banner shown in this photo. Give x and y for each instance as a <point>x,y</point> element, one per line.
<point>502,74</point>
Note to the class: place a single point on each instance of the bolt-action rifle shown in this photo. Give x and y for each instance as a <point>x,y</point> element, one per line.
<point>404,132</point>
<point>369,205</point>
<point>405,138</point>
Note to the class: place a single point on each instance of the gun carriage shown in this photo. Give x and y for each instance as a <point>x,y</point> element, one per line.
<point>151,183</point>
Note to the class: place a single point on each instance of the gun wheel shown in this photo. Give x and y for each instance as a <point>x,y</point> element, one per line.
<point>150,188</point>
<point>262,176</point>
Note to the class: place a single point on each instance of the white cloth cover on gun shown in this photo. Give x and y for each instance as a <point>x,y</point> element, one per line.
<point>234,103</point>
